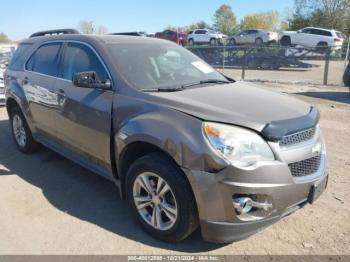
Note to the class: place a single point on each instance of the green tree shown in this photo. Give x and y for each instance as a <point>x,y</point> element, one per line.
<point>298,21</point>
<point>225,20</point>
<point>198,25</point>
<point>4,38</point>
<point>263,20</point>
<point>331,14</point>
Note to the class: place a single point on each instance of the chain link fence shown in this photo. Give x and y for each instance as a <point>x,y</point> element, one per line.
<point>320,66</point>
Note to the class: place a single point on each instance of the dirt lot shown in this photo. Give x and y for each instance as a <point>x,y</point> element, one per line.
<point>313,75</point>
<point>49,205</point>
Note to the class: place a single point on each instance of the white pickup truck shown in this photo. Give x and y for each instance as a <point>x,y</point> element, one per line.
<point>312,37</point>
<point>205,36</point>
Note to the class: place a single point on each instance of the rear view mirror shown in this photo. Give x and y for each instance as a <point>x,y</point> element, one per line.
<point>90,80</point>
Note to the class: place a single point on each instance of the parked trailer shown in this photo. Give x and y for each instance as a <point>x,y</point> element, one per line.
<point>271,58</point>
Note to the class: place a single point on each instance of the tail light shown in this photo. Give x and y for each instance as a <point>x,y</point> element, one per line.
<point>269,33</point>
<point>337,40</point>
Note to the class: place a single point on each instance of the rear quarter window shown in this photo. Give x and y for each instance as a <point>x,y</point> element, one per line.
<point>339,35</point>
<point>19,57</point>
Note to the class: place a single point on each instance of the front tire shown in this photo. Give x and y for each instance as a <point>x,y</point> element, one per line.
<point>21,132</point>
<point>161,198</point>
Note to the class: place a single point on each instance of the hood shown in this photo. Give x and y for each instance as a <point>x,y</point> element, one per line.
<point>239,103</point>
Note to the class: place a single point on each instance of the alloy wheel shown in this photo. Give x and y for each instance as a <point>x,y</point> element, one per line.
<point>19,131</point>
<point>155,201</point>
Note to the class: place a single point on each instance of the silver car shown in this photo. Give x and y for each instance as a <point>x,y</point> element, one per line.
<point>253,36</point>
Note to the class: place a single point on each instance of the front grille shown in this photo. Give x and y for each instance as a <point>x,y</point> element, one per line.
<point>298,137</point>
<point>305,167</point>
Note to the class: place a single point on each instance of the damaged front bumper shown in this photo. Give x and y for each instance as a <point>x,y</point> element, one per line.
<point>275,192</point>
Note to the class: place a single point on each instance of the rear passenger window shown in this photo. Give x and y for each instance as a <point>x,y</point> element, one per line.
<point>18,58</point>
<point>80,58</point>
<point>45,60</point>
<point>326,33</point>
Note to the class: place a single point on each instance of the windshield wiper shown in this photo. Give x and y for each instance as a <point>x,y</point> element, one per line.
<point>163,89</point>
<point>208,81</point>
<point>183,87</point>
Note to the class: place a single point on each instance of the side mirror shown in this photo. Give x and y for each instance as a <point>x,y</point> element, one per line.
<point>90,80</point>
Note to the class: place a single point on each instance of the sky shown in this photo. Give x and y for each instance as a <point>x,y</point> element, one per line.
<point>20,18</point>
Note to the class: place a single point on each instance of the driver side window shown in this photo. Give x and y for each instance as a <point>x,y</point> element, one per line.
<point>80,58</point>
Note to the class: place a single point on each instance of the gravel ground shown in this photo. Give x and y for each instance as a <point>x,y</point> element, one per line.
<point>313,75</point>
<point>49,205</point>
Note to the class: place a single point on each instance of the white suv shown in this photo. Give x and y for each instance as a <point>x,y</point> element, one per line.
<point>205,36</point>
<point>313,37</point>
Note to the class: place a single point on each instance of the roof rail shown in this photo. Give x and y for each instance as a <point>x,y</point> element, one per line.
<point>55,32</point>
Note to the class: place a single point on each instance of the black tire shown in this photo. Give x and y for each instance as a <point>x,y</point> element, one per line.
<point>187,218</point>
<point>30,145</point>
<point>285,41</point>
<point>322,47</point>
<point>259,41</point>
<point>232,42</point>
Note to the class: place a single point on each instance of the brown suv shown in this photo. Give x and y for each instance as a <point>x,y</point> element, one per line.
<point>184,144</point>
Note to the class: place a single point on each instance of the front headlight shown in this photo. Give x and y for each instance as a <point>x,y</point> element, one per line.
<point>240,146</point>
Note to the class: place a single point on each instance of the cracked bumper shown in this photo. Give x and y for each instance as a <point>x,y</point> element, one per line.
<point>214,196</point>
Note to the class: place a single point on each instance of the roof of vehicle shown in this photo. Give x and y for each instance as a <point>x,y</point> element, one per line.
<point>105,39</point>
<point>319,28</point>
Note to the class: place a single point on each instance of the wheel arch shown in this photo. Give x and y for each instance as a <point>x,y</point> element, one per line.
<point>134,151</point>
<point>10,104</point>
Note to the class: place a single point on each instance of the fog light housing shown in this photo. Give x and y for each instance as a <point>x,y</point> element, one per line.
<point>252,207</point>
<point>243,204</point>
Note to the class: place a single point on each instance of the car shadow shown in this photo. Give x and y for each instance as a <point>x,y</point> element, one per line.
<point>341,97</point>
<point>83,194</point>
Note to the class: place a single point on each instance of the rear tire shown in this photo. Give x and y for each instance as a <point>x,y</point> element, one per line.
<point>322,47</point>
<point>285,41</point>
<point>152,206</point>
<point>21,132</point>
<point>259,41</point>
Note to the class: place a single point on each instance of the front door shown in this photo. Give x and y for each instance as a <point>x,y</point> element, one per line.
<point>84,115</point>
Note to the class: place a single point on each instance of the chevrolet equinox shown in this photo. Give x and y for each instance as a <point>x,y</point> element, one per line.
<point>185,145</point>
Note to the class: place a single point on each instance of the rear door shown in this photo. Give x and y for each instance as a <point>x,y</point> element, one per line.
<point>84,115</point>
<point>252,34</point>
<point>38,83</point>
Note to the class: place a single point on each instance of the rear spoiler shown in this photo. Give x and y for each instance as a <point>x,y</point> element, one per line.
<point>56,32</point>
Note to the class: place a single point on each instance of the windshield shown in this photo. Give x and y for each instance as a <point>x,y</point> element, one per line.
<point>150,66</point>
